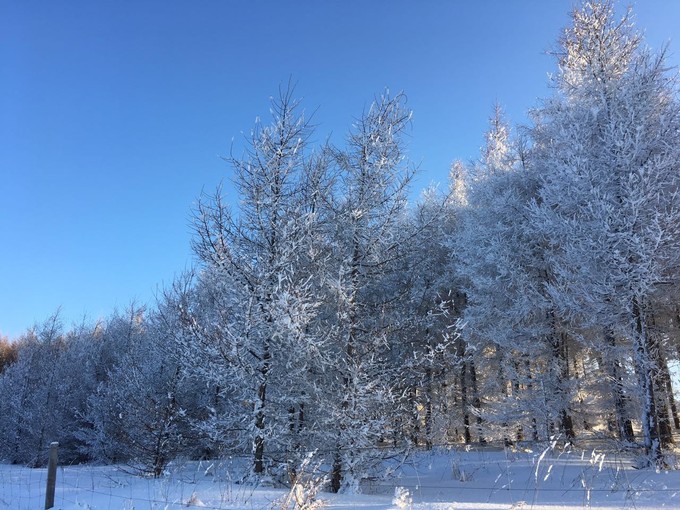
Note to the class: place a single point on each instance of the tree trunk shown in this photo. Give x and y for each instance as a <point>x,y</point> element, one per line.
<point>560,368</point>
<point>415,416</point>
<point>336,473</point>
<point>463,391</point>
<point>663,396</point>
<point>428,408</point>
<point>643,364</point>
<point>476,400</point>
<point>530,388</point>
<point>669,391</point>
<point>349,400</point>
<point>624,425</point>
<point>258,464</point>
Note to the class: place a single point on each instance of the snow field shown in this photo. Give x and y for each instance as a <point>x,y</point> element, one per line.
<point>446,480</point>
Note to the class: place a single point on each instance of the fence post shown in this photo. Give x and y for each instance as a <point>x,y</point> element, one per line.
<point>51,476</point>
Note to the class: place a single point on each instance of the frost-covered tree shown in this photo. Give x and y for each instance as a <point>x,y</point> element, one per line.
<point>256,328</point>
<point>76,373</point>
<point>47,392</point>
<point>607,150</point>
<point>30,390</point>
<point>509,315</point>
<point>369,240</point>
<point>140,415</point>
<point>431,308</point>
<point>115,338</point>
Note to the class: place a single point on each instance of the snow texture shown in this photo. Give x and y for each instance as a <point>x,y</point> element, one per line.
<point>497,479</point>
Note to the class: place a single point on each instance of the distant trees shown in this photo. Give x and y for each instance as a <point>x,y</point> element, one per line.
<point>29,416</point>
<point>8,353</point>
<point>140,414</point>
<point>112,343</point>
<point>107,392</point>
<point>44,392</point>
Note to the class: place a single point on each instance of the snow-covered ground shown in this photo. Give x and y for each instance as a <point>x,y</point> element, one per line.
<point>447,480</point>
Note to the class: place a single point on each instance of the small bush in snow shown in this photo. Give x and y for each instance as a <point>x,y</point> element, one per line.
<point>402,498</point>
<point>304,490</point>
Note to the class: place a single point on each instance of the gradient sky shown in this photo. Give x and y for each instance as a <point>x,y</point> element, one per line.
<point>114,115</point>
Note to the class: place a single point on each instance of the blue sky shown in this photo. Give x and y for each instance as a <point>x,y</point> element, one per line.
<point>113,116</point>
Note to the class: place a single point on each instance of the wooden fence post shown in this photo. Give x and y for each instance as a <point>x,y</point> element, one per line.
<point>51,476</point>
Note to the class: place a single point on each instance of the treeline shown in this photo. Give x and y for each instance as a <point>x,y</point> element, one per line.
<point>534,299</point>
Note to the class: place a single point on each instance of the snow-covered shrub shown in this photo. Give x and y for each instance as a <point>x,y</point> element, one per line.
<point>305,487</point>
<point>402,498</point>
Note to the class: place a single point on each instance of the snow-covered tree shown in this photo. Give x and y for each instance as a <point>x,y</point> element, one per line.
<point>369,240</point>
<point>30,390</point>
<point>425,353</point>
<point>256,328</point>
<point>607,150</point>
<point>114,340</point>
<point>140,415</point>
<point>509,318</point>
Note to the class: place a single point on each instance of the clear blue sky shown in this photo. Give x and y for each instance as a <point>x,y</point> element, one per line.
<point>113,115</point>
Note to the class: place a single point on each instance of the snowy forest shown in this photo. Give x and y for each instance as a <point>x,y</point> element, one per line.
<point>533,297</point>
